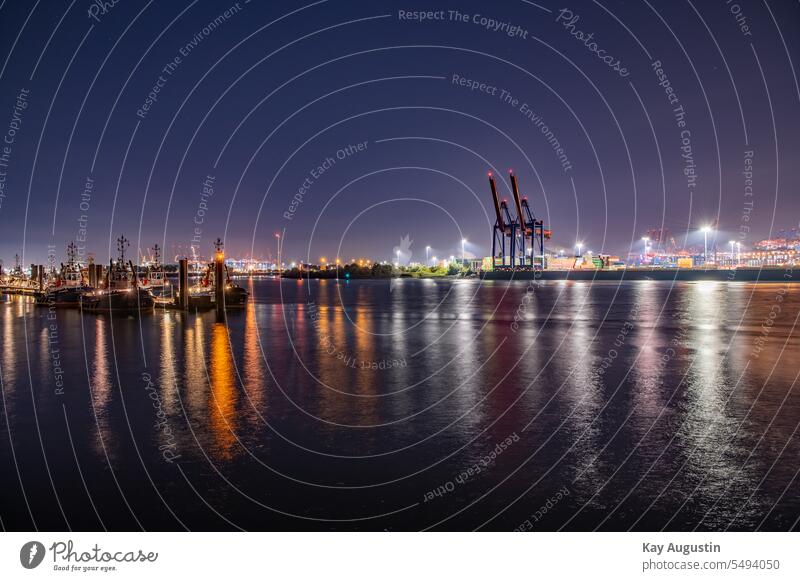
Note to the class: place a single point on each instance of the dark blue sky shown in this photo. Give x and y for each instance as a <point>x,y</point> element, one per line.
<point>264,94</point>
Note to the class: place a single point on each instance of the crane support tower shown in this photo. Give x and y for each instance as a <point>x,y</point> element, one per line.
<point>532,232</point>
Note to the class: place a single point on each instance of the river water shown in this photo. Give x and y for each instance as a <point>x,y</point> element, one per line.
<point>410,404</point>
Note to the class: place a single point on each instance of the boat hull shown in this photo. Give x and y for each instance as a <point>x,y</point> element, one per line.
<point>63,298</point>
<point>121,301</point>
<point>235,297</point>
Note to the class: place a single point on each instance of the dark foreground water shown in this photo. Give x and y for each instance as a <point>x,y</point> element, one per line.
<point>418,404</point>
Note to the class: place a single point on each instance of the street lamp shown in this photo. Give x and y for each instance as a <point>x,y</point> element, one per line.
<point>427,260</point>
<point>278,244</point>
<point>578,245</point>
<point>733,244</point>
<point>738,253</point>
<point>706,230</point>
<point>398,257</point>
<point>646,241</point>
<point>463,256</point>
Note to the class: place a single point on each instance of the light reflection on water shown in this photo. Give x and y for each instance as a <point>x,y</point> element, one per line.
<point>349,400</point>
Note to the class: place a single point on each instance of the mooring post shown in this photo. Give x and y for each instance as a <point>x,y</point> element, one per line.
<point>219,280</point>
<point>183,283</point>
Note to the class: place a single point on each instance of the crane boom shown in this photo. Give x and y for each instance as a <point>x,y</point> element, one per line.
<point>496,200</point>
<point>518,203</point>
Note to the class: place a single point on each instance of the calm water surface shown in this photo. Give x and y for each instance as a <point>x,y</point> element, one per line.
<point>417,404</point>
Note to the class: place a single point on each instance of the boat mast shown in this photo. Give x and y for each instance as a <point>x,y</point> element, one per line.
<point>122,245</point>
<point>72,252</point>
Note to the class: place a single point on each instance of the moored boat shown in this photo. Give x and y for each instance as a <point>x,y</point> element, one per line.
<point>65,289</point>
<point>122,292</point>
<point>204,292</point>
<point>154,278</point>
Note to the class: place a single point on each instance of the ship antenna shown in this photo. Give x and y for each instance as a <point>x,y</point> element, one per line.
<point>156,255</point>
<point>218,245</point>
<point>72,252</point>
<point>122,245</point>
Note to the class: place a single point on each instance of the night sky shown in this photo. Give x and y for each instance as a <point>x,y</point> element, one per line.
<point>255,101</point>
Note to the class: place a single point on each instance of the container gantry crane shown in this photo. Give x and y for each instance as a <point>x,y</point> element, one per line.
<point>504,233</point>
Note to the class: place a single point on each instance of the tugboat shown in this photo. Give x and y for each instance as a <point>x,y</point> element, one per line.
<point>67,287</point>
<point>155,279</point>
<point>235,296</point>
<point>122,293</point>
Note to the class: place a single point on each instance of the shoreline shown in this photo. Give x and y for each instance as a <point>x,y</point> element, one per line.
<point>635,274</point>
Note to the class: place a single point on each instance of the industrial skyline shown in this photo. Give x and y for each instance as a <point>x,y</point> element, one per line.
<point>187,122</point>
